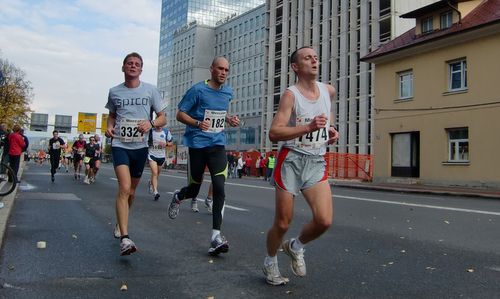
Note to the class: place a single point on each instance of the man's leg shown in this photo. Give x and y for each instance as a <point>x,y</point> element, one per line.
<point>196,168</point>
<point>320,201</point>
<point>124,198</point>
<point>282,219</point>
<point>154,176</point>
<point>319,198</point>
<point>217,165</point>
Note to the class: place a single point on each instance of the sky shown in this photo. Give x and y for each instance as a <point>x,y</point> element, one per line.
<point>72,50</point>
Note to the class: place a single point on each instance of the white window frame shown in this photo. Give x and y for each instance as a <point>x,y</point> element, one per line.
<point>426,25</point>
<point>462,72</point>
<point>405,77</point>
<point>446,19</point>
<point>456,152</point>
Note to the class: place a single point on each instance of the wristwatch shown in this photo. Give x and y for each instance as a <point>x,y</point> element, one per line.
<point>198,123</point>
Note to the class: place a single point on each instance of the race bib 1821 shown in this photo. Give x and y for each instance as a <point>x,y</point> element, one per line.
<point>129,132</point>
<point>217,120</point>
<point>314,139</point>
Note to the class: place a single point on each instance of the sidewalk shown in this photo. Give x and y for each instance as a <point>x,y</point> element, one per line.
<point>8,202</point>
<point>417,188</point>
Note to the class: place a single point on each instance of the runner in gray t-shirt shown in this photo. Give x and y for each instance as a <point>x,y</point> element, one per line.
<point>129,122</point>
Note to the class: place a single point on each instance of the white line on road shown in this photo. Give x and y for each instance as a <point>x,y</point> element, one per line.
<point>418,205</point>
<point>227,206</point>
<point>357,198</point>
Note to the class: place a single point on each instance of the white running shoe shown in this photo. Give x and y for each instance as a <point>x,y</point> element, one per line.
<point>150,187</point>
<point>273,275</point>
<point>86,180</point>
<point>173,208</point>
<point>194,205</point>
<point>218,245</point>
<point>116,232</point>
<point>298,264</point>
<point>127,247</point>
<point>209,204</point>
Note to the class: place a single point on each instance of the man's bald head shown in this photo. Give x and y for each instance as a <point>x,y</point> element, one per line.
<point>219,70</point>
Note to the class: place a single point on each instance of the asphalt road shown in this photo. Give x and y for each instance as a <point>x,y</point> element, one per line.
<point>381,245</point>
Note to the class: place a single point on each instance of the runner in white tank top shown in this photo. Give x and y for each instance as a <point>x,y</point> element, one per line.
<point>303,124</point>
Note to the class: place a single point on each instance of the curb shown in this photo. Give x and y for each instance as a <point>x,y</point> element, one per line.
<point>8,204</point>
<point>418,191</point>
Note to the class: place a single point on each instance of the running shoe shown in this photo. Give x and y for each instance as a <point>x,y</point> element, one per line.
<point>127,247</point>
<point>86,180</point>
<point>157,196</point>
<point>52,178</point>
<point>209,204</point>
<point>273,275</point>
<point>150,187</point>
<point>218,245</point>
<point>173,208</point>
<point>298,264</point>
<point>116,232</point>
<point>194,205</point>
<point>76,178</point>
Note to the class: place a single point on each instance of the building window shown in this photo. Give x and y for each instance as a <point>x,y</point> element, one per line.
<point>446,19</point>
<point>458,145</point>
<point>405,85</point>
<point>426,25</point>
<point>458,75</point>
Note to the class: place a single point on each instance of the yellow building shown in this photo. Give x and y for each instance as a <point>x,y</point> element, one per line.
<point>437,87</point>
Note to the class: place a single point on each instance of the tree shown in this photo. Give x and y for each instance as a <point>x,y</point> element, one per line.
<point>16,94</point>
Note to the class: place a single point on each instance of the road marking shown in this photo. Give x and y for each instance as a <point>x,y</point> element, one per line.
<point>494,268</point>
<point>418,205</point>
<point>227,206</point>
<point>368,199</point>
<point>227,183</point>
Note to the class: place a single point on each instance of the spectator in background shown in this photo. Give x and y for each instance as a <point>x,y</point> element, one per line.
<point>257,167</point>
<point>230,164</point>
<point>16,146</point>
<point>4,143</point>
<point>262,164</point>
<point>240,166</point>
<point>271,161</point>
<point>248,165</point>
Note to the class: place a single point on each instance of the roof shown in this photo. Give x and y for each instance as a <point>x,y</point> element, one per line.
<point>484,14</point>
<point>427,9</point>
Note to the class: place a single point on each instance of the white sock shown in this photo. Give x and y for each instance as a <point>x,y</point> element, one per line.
<point>215,232</point>
<point>270,260</point>
<point>297,245</point>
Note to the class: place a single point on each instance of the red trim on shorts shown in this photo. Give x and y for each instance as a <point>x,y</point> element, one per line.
<point>279,161</point>
<point>325,174</point>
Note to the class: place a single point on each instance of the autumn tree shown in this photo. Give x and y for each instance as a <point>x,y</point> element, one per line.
<point>16,94</point>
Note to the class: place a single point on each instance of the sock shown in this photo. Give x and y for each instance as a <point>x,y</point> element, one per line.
<point>215,232</point>
<point>270,260</point>
<point>123,237</point>
<point>297,245</point>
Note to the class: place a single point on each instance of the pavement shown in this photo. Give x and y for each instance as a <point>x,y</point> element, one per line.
<point>419,188</point>
<point>394,187</point>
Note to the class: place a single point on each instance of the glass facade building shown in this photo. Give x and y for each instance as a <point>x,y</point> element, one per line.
<point>178,13</point>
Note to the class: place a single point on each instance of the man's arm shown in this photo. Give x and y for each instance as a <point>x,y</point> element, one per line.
<point>110,126</point>
<point>280,130</point>
<point>333,134</point>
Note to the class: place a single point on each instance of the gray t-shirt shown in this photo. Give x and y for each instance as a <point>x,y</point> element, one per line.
<point>131,105</point>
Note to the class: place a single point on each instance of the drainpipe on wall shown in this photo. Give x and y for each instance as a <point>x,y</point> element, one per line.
<point>455,9</point>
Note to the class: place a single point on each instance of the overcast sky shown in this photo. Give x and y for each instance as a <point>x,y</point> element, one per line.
<point>72,50</point>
